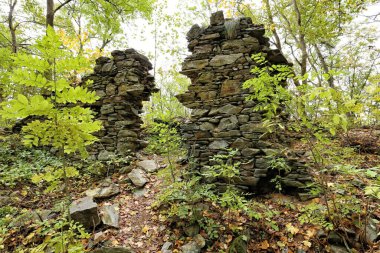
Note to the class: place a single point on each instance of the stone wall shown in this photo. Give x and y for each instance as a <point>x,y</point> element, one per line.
<point>221,117</point>
<point>122,82</point>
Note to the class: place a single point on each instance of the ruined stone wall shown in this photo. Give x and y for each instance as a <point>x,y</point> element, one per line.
<point>122,82</point>
<point>221,117</point>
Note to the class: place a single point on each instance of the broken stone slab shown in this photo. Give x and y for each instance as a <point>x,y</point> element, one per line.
<point>148,165</point>
<point>109,215</point>
<point>221,60</point>
<point>85,211</point>
<point>138,177</point>
<point>103,191</point>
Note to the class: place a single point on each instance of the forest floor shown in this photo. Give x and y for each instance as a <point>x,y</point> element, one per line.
<point>286,224</point>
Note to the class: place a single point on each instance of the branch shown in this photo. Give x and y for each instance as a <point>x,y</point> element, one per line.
<point>62,5</point>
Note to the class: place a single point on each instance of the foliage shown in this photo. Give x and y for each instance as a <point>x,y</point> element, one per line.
<point>165,140</point>
<point>54,177</point>
<point>318,113</point>
<point>67,128</point>
<point>19,164</point>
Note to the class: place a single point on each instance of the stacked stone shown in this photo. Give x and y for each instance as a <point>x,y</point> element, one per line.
<point>221,117</point>
<point>122,83</point>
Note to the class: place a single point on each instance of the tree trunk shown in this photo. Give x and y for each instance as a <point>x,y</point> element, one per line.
<point>302,42</point>
<point>270,18</point>
<point>11,25</point>
<point>50,13</point>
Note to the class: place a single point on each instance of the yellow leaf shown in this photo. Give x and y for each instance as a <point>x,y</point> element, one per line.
<point>264,245</point>
<point>291,229</point>
<point>307,243</point>
<point>145,229</point>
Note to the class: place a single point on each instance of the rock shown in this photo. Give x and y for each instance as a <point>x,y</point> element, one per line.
<point>107,67</point>
<point>138,193</point>
<point>220,60</point>
<point>338,249</point>
<point>239,245</point>
<point>138,177</point>
<point>103,192</point>
<point>372,231</point>
<point>166,248</point>
<point>26,219</point>
<point>197,64</point>
<point>107,109</point>
<point>105,155</point>
<point>194,246</point>
<point>99,237</point>
<point>191,230</point>
<point>113,250</point>
<point>207,126</point>
<point>109,215</point>
<point>127,133</point>
<point>148,165</point>
<point>230,87</point>
<point>191,247</point>
<point>229,109</point>
<point>228,123</point>
<point>220,144</point>
<point>85,211</point>
<point>194,32</point>
<point>217,18</point>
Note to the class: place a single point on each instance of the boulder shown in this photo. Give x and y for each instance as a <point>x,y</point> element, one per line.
<point>109,215</point>
<point>85,211</point>
<point>148,165</point>
<point>105,191</point>
<point>138,177</point>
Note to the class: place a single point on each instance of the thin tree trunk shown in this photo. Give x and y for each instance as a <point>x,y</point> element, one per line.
<point>50,13</point>
<point>301,39</point>
<point>12,27</point>
<point>270,18</point>
<point>324,66</point>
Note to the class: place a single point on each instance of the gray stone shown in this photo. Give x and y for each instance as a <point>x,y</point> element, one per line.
<point>207,126</point>
<point>194,246</point>
<point>228,123</point>
<point>217,18</point>
<point>230,109</point>
<point>197,64</point>
<point>221,60</point>
<point>372,230</point>
<point>127,133</point>
<point>148,165</point>
<point>107,109</point>
<point>249,152</point>
<point>194,32</point>
<point>105,155</point>
<point>107,67</point>
<point>140,192</point>
<point>85,211</point>
<point>210,36</point>
<point>138,177</point>
<point>239,245</point>
<point>192,230</point>
<point>109,215</point>
<point>166,248</point>
<point>103,192</point>
<point>219,144</point>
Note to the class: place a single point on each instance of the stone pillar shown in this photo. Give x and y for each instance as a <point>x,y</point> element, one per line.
<point>221,117</point>
<point>122,82</point>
